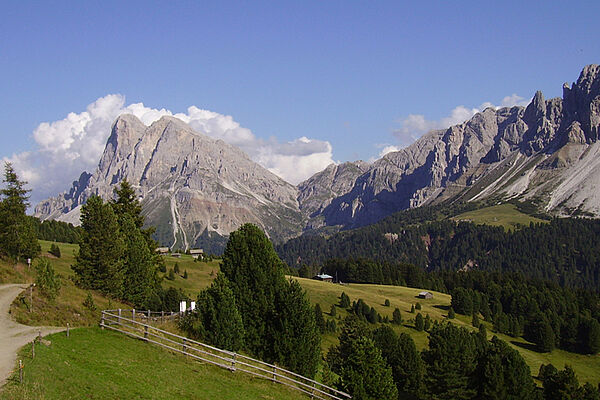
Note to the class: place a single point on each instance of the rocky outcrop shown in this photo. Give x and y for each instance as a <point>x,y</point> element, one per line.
<point>189,183</point>
<point>545,152</point>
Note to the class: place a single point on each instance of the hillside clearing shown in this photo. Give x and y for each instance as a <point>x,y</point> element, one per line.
<point>505,215</point>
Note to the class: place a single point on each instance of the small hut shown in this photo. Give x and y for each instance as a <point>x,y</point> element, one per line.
<point>425,295</point>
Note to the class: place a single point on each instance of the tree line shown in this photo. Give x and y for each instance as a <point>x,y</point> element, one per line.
<point>457,364</point>
<point>560,250</point>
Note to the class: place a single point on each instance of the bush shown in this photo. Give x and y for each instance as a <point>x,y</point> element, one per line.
<point>54,250</point>
<point>176,268</point>
<point>418,306</point>
<point>89,302</point>
<point>419,322</point>
<point>46,279</point>
<point>397,317</point>
<point>185,274</point>
<point>171,275</point>
<point>387,302</point>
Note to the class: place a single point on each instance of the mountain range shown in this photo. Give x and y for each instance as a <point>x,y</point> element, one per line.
<point>196,189</point>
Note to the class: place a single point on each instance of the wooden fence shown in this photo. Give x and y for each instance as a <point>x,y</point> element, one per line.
<point>131,322</point>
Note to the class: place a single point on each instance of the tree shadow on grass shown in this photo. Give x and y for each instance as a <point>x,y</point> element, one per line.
<point>527,346</point>
<point>441,307</point>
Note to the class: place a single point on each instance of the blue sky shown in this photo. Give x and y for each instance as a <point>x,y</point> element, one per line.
<point>346,73</point>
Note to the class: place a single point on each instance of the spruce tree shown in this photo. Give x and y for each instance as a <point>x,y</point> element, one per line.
<point>319,319</point>
<point>216,319</point>
<point>332,311</point>
<point>99,262</point>
<point>397,317</point>
<point>46,279</point>
<point>17,234</point>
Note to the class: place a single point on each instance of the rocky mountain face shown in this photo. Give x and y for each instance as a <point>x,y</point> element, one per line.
<point>195,189</point>
<point>546,153</point>
<point>192,187</point>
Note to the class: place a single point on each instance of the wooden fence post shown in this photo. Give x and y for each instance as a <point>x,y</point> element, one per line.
<point>312,392</point>
<point>119,318</point>
<point>148,316</point>
<point>233,361</point>
<point>20,371</point>
<point>33,349</point>
<point>184,347</point>
<point>40,335</point>
<point>102,321</point>
<point>146,332</point>
<point>274,371</point>
<point>133,314</point>
<point>67,329</point>
<point>162,317</point>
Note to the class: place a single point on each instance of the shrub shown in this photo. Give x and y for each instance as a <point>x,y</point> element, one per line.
<point>46,279</point>
<point>54,250</point>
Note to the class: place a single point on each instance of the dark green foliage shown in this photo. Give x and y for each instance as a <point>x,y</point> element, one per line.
<point>482,332</point>
<point>216,319</point>
<point>17,234</point>
<point>540,332</point>
<point>475,320</point>
<point>451,314</point>
<point>330,326</point>
<point>171,275</point>
<point>140,278</point>
<point>412,308</point>
<point>46,279</point>
<point>387,302</point>
<point>451,361</point>
<point>589,336</point>
<point>176,268</point>
<point>427,324</point>
<point>89,302</point>
<point>295,337</point>
<point>359,364</point>
<point>397,317</point>
<point>332,311</point>
<point>55,250</point>
<point>419,322</point>
<point>563,385</point>
<point>502,373</point>
<point>99,262</point>
<point>162,268</point>
<point>402,356</point>
<point>277,317</point>
<point>58,231</point>
<point>418,306</point>
<point>361,309</point>
<point>462,301</point>
<point>185,274</point>
<point>319,320</point>
<point>344,300</point>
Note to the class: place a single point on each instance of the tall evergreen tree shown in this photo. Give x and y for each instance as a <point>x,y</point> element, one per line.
<point>17,234</point>
<point>216,319</point>
<point>319,319</point>
<point>275,312</point>
<point>99,262</point>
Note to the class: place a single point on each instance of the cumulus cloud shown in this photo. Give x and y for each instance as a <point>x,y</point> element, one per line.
<point>67,147</point>
<point>414,126</point>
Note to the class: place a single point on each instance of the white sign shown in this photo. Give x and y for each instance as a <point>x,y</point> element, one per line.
<point>193,305</point>
<point>182,306</point>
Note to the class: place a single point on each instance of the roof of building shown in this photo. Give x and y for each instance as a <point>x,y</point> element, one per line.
<point>324,276</point>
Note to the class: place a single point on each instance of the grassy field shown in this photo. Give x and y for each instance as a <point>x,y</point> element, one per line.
<point>69,308</point>
<point>96,364</point>
<point>504,215</point>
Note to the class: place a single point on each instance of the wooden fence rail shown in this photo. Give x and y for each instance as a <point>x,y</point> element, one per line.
<point>136,323</point>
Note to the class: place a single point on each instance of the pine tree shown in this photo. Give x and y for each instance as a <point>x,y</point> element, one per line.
<point>344,300</point>
<point>319,320</point>
<point>419,322</point>
<point>412,309</point>
<point>397,317</point>
<point>402,355</point>
<point>17,234</point>
<point>185,274</point>
<point>140,279</point>
<point>176,268</point>
<point>427,325</point>
<point>451,314</point>
<point>46,279</point>
<point>387,302</point>
<point>332,310</point>
<point>99,262</point>
<point>418,306</point>
<point>475,321</point>
<point>217,319</point>
<point>277,317</point>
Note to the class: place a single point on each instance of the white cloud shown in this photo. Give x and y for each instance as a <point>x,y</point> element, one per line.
<point>67,147</point>
<point>415,125</point>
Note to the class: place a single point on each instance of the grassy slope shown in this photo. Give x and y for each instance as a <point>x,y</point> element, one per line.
<point>68,307</point>
<point>505,215</point>
<point>95,364</point>
<point>200,274</point>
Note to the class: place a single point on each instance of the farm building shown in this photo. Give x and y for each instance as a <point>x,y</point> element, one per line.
<point>162,250</point>
<point>197,253</point>
<point>176,255</point>
<point>324,278</point>
<point>425,295</point>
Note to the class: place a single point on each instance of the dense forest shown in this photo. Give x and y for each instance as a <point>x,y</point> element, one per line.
<point>56,231</point>
<point>562,251</point>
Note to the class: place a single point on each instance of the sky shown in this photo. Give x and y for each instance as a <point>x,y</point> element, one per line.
<point>295,84</point>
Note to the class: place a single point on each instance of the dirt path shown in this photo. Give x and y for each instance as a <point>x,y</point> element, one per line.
<point>13,335</point>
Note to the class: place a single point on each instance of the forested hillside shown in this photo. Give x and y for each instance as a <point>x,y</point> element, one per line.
<point>562,251</point>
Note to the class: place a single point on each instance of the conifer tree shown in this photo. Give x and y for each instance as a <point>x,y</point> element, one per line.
<point>217,319</point>
<point>332,311</point>
<point>319,319</point>
<point>397,317</point>
<point>17,234</point>
<point>46,279</point>
<point>419,322</point>
<point>99,262</point>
